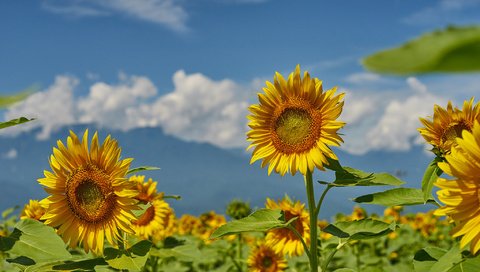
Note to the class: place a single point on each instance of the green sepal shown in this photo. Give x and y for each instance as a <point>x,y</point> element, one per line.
<point>429,177</point>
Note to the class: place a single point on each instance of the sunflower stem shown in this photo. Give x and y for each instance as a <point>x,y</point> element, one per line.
<point>313,221</point>
<point>295,231</point>
<point>239,250</point>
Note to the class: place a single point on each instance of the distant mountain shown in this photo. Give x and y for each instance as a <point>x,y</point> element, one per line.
<point>207,177</point>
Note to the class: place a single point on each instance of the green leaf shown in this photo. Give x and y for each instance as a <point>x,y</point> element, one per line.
<point>348,176</point>
<point>142,168</point>
<point>429,177</point>
<point>82,265</point>
<point>8,212</point>
<point>395,197</point>
<point>439,260</point>
<point>187,253</point>
<point>6,100</point>
<point>38,242</point>
<point>132,259</point>
<point>261,220</point>
<point>360,229</point>
<point>454,49</point>
<point>448,260</point>
<point>14,122</point>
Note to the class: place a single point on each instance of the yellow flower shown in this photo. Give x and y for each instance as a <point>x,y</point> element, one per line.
<point>321,225</point>
<point>264,259</point>
<point>358,213</point>
<point>447,125</point>
<point>189,224</point>
<point>168,228</point>
<point>147,191</point>
<point>392,213</point>
<point>153,219</point>
<point>294,124</point>
<point>90,198</point>
<point>34,210</point>
<point>283,240</point>
<point>460,195</point>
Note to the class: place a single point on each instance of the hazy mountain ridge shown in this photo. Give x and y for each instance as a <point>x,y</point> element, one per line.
<point>207,177</point>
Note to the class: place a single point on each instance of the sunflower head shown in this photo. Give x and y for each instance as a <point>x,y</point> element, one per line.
<point>264,259</point>
<point>238,209</point>
<point>461,195</point>
<point>153,219</point>
<point>283,240</point>
<point>34,210</point>
<point>446,125</point>
<point>147,190</point>
<point>90,198</point>
<point>294,124</point>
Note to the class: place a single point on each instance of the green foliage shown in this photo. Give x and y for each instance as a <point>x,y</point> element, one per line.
<point>132,259</point>
<point>395,197</point>
<point>39,241</point>
<point>261,220</point>
<point>429,177</point>
<point>238,209</point>
<point>7,100</point>
<point>439,260</point>
<point>454,49</point>
<point>348,176</point>
<point>14,122</point>
<point>141,168</point>
<point>360,229</point>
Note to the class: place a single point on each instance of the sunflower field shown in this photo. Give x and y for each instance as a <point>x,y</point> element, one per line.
<point>103,215</point>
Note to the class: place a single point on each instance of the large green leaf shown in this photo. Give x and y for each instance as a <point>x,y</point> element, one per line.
<point>132,259</point>
<point>187,253</point>
<point>454,49</point>
<point>439,260</point>
<point>261,220</point>
<point>348,176</point>
<point>38,242</point>
<point>14,122</point>
<point>395,197</point>
<point>360,229</point>
<point>429,177</point>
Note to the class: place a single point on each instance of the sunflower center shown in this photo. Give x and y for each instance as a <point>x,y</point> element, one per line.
<point>89,194</point>
<point>455,131</point>
<point>146,217</point>
<point>267,262</point>
<point>293,126</point>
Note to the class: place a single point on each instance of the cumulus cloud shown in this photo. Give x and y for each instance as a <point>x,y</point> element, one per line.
<point>394,122</point>
<point>53,108</point>
<point>166,12</point>
<point>197,109</point>
<point>10,154</point>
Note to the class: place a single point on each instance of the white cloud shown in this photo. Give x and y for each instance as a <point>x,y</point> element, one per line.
<point>393,123</point>
<point>199,109</point>
<point>109,105</point>
<point>166,12</point>
<point>53,108</point>
<point>446,12</point>
<point>362,78</point>
<point>10,154</point>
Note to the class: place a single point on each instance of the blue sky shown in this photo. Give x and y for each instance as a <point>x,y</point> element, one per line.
<point>192,67</point>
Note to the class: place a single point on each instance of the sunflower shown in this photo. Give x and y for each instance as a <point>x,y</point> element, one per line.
<point>153,219</point>
<point>264,259</point>
<point>34,210</point>
<point>169,226</point>
<point>283,240</point>
<point>447,125</point>
<point>460,195</point>
<point>147,190</point>
<point>189,224</point>
<point>90,198</point>
<point>294,123</point>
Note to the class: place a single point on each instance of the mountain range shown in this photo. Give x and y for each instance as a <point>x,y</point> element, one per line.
<point>205,176</point>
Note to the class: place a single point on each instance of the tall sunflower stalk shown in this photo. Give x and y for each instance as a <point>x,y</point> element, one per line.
<point>291,130</point>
